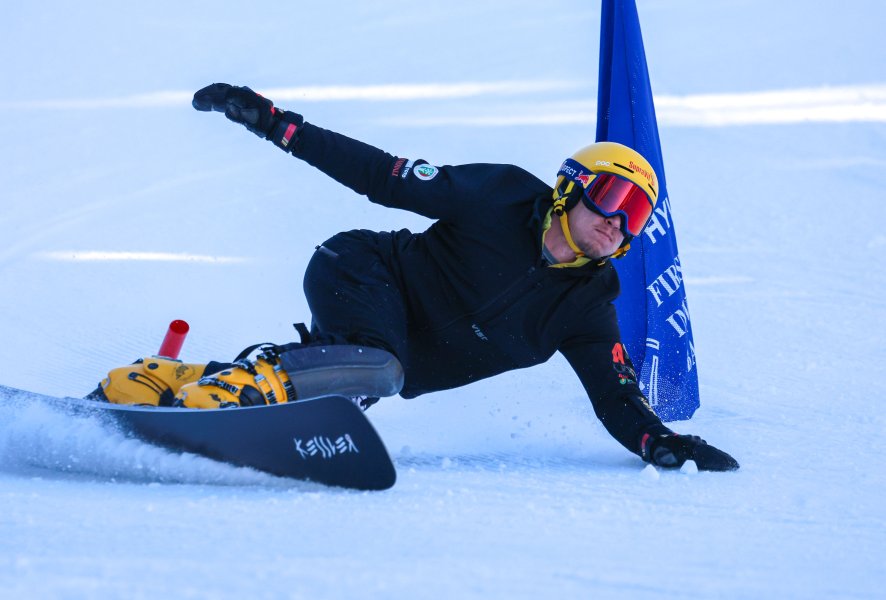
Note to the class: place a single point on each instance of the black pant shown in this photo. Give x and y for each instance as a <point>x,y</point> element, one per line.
<point>352,295</point>
<point>356,299</point>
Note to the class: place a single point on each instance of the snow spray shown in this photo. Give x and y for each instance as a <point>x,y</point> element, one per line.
<point>175,337</point>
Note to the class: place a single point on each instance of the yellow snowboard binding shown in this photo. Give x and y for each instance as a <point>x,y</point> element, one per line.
<point>297,372</point>
<point>244,383</point>
<point>278,374</point>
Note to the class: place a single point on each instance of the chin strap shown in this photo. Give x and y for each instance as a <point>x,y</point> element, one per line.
<point>621,251</point>
<point>560,210</point>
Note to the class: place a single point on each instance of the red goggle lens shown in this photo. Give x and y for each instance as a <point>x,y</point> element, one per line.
<point>610,195</point>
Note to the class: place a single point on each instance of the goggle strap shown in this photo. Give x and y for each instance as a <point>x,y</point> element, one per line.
<point>576,172</point>
<point>567,196</point>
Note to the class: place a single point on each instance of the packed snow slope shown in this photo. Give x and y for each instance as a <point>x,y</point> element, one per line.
<point>123,209</point>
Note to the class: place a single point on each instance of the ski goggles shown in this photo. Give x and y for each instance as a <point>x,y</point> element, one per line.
<point>608,195</point>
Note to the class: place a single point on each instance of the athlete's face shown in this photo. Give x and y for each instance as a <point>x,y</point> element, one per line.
<point>595,235</point>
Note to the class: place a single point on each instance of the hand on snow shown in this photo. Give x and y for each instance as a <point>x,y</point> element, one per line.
<point>241,105</point>
<point>672,450</point>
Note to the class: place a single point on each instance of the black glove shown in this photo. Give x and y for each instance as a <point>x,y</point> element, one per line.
<point>253,111</point>
<point>672,450</point>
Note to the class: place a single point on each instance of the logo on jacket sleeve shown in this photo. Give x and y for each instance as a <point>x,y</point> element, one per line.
<point>406,170</point>
<point>624,371</point>
<point>479,332</point>
<point>425,172</point>
<point>398,167</point>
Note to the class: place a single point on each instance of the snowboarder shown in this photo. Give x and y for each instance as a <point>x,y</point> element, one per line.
<point>510,272</point>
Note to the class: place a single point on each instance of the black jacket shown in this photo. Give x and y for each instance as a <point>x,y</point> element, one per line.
<point>480,297</point>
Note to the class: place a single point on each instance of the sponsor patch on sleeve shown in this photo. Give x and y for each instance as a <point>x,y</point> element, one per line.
<point>406,170</point>
<point>425,172</point>
<point>398,167</point>
<point>624,371</point>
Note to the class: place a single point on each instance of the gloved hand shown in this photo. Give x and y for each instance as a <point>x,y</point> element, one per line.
<point>253,111</point>
<point>240,104</point>
<point>672,450</point>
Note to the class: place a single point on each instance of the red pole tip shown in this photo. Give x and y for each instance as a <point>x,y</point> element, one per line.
<point>180,327</point>
<point>175,338</point>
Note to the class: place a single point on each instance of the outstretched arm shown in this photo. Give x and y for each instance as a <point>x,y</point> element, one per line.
<point>435,192</point>
<point>608,376</point>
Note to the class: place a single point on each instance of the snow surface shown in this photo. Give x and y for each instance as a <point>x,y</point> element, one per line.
<point>123,209</point>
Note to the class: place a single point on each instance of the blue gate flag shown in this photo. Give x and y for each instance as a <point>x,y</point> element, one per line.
<point>652,310</point>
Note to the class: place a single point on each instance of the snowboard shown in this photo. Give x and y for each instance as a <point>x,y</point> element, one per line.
<point>326,440</point>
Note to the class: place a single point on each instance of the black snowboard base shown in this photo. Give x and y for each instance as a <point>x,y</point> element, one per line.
<point>326,440</point>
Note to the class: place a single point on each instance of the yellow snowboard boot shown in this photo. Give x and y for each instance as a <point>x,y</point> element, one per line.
<point>151,381</point>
